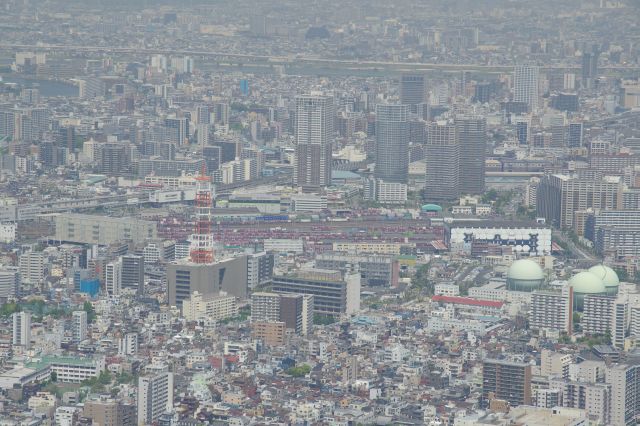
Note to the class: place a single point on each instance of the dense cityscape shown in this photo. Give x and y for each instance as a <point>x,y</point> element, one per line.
<point>319,212</point>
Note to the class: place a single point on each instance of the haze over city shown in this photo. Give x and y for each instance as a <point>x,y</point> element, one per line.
<point>319,212</point>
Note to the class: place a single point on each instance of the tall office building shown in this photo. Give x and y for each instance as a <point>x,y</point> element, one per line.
<point>472,134</point>
<point>574,135</point>
<point>21,329</point>
<point>413,90</point>
<point>204,135</point>
<point>314,138</point>
<point>9,283</point>
<point>334,293</point>
<point>132,275</point>
<point>203,114</point>
<point>525,85</point>
<point>185,278</point>
<point>589,67</point>
<point>259,269</point>
<point>66,137</point>
<point>291,311</point>
<point>112,157</point>
<point>155,396</point>
<point>177,130</point>
<point>221,114</point>
<point>510,381</point>
<point>560,196</point>
<point>113,278</point>
<point>213,158</point>
<point>392,143</point>
<point>625,393</point>
<point>79,326</point>
<point>442,181</point>
<point>523,129</point>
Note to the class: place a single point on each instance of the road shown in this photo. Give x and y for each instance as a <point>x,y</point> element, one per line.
<point>573,248</point>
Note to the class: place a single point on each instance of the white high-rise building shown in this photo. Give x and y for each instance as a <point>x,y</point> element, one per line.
<point>607,315</point>
<point>525,85</point>
<point>155,396</point>
<point>620,322</point>
<point>79,326</point>
<point>22,329</point>
<point>128,344</point>
<point>551,310</point>
<point>32,267</point>
<point>314,138</point>
<point>113,278</point>
<point>634,320</point>
<point>307,314</point>
<point>625,397</point>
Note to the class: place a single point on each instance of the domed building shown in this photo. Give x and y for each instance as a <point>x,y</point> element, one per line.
<point>609,278</point>
<point>584,283</point>
<point>431,208</point>
<point>524,275</point>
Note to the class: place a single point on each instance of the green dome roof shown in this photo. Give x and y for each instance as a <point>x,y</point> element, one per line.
<point>587,283</point>
<point>525,269</point>
<point>608,276</point>
<point>431,208</point>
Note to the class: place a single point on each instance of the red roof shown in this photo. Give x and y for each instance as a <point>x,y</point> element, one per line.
<point>467,301</point>
<point>439,245</point>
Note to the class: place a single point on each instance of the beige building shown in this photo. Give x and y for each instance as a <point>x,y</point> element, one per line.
<point>209,306</point>
<point>371,247</point>
<point>271,333</point>
<point>103,230</point>
<point>555,364</point>
<point>630,94</point>
<point>109,412</point>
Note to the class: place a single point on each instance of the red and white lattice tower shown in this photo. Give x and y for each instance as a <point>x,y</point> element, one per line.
<point>202,238</point>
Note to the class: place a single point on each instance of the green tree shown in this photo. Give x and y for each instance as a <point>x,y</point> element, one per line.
<point>91,312</point>
<point>490,195</point>
<point>299,371</point>
<point>237,106</point>
<point>9,308</point>
<point>124,378</point>
<point>576,317</point>
<point>323,319</point>
<point>421,280</point>
<point>622,274</point>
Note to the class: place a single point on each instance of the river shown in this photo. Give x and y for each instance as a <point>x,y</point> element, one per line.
<point>48,88</point>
